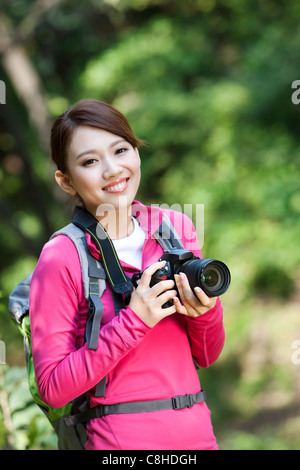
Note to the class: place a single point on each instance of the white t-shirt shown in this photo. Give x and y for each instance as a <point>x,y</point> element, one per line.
<point>129,249</point>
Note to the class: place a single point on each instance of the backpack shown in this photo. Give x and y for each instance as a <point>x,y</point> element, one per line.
<point>69,421</point>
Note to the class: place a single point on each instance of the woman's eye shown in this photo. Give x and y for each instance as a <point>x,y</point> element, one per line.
<point>88,162</point>
<point>121,150</point>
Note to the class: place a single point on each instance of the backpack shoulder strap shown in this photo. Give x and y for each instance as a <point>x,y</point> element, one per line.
<point>78,238</point>
<point>93,276</point>
<point>94,282</point>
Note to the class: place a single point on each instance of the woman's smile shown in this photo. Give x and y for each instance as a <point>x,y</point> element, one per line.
<point>117,186</point>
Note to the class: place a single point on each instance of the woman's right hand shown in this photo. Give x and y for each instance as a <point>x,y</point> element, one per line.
<point>147,301</point>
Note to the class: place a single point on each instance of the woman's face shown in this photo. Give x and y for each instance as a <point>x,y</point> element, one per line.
<point>103,169</point>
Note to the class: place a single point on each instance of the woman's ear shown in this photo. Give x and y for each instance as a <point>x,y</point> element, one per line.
<point>64,181</point>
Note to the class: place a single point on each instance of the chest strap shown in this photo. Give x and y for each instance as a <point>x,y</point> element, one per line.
<point>176,403</point>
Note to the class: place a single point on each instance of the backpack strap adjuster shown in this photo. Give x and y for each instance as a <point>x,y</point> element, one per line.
<point>187,401</point>
<point>182,401</point>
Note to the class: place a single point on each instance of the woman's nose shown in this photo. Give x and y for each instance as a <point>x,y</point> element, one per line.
<point>111,169</point>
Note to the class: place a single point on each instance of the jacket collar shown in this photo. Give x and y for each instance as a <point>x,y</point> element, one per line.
<point>149,218</point>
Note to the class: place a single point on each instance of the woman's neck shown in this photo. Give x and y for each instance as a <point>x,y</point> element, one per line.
<point>117,224</point>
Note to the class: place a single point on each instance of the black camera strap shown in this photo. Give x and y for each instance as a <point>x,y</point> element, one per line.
<point>118,280</point>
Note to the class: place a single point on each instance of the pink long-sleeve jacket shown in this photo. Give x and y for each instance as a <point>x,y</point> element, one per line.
<point>140,362</point>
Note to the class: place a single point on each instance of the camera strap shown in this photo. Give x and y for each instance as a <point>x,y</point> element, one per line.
<point>167,236</point>
<point>118,280</point>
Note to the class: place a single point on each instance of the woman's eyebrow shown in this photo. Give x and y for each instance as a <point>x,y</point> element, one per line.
<point>85,152</point>
<point>113,144</point>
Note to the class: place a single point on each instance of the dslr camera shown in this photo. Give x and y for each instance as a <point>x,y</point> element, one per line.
<point>211,275</point>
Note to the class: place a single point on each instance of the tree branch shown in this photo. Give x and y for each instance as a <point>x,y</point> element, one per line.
<point>25,80</point>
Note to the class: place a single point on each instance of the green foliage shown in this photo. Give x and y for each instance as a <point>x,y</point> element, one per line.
<point>207,83</point>
<point>22,423</point>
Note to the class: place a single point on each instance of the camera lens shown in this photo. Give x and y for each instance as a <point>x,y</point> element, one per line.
<point>215,277</point>
<point>211,278</point>
<point>211,275</point>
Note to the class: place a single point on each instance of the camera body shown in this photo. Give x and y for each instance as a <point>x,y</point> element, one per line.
<point>211,275</point>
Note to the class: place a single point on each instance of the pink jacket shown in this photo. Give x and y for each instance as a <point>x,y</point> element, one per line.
<point>140,362</point>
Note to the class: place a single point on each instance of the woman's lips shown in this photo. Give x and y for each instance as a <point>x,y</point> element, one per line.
<point>116,186</point>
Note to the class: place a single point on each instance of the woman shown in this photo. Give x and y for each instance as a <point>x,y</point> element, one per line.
<point>146,352</point>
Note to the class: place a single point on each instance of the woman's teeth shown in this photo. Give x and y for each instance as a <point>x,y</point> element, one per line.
<point>116,187</point>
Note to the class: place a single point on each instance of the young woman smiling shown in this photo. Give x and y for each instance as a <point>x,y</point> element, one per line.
<point>146,352</point>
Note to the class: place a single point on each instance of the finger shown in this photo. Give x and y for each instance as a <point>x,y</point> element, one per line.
<point>148,273</point>
<point>162,286</point>
<point>204,299</point>
<point>191,304</point>
<point>169,310</point>
<point>165,297</point>
<point>185,292</point>
<point>180,308</point>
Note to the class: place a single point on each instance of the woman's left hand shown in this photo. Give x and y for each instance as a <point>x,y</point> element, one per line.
<point>191,305</point>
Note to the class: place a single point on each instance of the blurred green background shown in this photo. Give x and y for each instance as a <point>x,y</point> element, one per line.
<point>208,84</point>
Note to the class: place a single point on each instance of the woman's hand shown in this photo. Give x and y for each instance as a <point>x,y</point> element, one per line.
<point>191,305</point>
<point>147,301</point>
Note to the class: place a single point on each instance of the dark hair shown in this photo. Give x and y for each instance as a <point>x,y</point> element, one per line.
<point>87,113</point>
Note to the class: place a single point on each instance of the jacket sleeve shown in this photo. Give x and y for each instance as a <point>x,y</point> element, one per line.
<point>206,332</point>
<point>207,335</point>
<point>64,372</point>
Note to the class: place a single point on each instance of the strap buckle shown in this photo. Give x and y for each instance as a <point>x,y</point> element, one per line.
<point>183,401</point>
<point>99,411</point>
